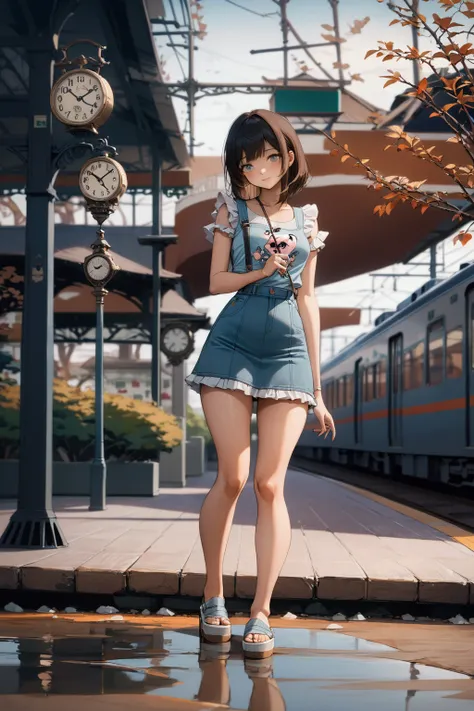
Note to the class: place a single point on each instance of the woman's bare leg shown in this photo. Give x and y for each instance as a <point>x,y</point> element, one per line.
<point>280,424</point>
<point>228,414</point>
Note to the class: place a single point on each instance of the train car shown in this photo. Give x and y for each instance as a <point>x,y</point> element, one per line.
<point>402,396</point>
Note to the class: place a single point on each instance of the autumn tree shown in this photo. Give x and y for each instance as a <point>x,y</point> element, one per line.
<point>447,93</point>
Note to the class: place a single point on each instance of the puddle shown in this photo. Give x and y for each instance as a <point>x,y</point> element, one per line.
<point>165,668</point>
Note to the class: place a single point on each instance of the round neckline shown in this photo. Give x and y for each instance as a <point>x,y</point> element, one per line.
<point>278,222</point>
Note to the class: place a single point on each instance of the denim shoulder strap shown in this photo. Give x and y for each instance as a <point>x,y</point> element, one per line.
<point>299,217</point>
<point>244,223</point>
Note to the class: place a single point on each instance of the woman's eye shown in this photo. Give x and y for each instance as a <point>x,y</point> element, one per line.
<point>247,167</point>
<point>274,157</point>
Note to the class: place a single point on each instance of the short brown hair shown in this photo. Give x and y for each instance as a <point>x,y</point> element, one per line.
<point>248,134</point>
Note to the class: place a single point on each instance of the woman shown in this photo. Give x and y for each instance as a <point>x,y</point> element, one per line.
<point>264,346</point>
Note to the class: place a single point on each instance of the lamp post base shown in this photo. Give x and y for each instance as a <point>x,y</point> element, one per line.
<point>33,529</point>
<point>98,486</point>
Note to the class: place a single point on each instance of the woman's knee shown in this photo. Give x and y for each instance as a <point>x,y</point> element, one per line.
<point>233,482</point>
<point>268,489</point>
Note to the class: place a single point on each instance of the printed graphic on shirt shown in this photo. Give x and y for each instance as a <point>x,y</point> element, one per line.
<point>284,244</point>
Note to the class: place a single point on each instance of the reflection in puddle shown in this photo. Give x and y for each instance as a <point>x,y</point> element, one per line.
<point>310,670</point>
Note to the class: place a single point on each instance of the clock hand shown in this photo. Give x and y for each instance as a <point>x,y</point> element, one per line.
<point>71,92</point>
<point>81,98</point>
<point>98,179</point>
<point>110,171</point>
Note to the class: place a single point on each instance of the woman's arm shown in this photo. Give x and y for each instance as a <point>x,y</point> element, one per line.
<point>222,281</point>
<point>309,312</point>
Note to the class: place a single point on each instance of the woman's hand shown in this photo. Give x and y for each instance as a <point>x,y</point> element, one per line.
<point>275,262</point>
<point>325,420</point>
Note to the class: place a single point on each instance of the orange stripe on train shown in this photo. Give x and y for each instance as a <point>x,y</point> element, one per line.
<point>440,406</point>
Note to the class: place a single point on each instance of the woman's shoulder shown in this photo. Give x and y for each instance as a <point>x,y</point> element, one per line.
<point>223,198</point>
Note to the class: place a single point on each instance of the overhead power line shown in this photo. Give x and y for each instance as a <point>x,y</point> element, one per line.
<point>254,12</point>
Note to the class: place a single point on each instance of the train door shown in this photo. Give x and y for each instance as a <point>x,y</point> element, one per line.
<point>469,369</point>
<point>358,371</point>
<point>395,370</point>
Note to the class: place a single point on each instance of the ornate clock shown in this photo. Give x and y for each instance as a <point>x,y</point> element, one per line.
<point>176,342</point>
<point>99,268</point>
<point>102,179</point>
<point>82,98</point>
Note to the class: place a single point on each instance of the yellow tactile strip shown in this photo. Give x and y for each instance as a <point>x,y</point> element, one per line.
<point>461,535</point>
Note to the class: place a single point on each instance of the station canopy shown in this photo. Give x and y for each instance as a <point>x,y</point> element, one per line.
<point>143,112</point>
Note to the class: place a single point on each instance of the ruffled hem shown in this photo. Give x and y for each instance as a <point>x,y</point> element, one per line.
<point>317,243</point>
<point>195,381</point>
<point>311,212</point>
<point>228,200</point>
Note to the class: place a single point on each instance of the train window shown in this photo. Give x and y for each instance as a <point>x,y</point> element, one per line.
<point>418,365</point>
<point>454,353</point>
<point>349,389</point>
<point>375,368</point>
<point>331,398</point>
<point>407,369</point>
<point>368,384</point>
<point>435,353</point>
<point>341,396</point>
<point>381,378</point>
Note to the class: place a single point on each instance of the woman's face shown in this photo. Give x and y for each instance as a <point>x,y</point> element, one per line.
<point>265,172</point>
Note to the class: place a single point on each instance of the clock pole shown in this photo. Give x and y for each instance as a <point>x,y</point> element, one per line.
<point>99,467</point>
<point>102,264</point>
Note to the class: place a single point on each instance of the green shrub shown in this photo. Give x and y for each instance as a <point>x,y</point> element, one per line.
<point>196,425</point>
<point>134,430</point>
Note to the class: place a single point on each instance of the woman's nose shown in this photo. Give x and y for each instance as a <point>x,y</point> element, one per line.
<point>263,170</point>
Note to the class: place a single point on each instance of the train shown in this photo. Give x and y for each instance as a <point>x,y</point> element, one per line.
<point>402,395</point>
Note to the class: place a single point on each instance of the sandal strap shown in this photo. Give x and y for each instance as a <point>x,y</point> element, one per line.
<point>258,626</point>
<point>215,607</point>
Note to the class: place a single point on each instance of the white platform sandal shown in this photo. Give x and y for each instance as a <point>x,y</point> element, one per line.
<point>258,650</point>
<point>215,634</point>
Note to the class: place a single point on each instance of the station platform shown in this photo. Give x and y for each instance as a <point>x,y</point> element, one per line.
<point>347,544</point>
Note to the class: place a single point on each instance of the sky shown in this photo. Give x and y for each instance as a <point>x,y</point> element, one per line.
<point>224,57</point>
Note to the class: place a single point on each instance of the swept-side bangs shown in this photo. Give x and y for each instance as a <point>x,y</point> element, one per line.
<point>247,136</point>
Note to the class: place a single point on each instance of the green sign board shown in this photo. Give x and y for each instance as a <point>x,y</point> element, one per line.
<point>307,102</point>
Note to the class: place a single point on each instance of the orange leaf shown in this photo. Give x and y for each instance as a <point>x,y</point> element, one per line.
<point>462,237</point>
<point>344,158</point>
<point>454,139</point>
<point>334,152</point>
<point>422,86</point>
<point>424,209</point>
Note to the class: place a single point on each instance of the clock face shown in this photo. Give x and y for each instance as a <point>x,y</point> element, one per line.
<point>101,180</point>
<point>176,340</point>
<point>98,268</point>
<point>78,98</point>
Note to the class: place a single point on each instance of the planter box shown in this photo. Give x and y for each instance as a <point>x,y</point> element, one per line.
<point>195,461</point>
<point>72,478</point>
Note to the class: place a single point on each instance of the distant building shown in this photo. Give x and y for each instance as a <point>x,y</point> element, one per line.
<point>130,376</point>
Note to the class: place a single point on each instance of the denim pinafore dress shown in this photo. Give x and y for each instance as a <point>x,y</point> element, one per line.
<point>257,344</point>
